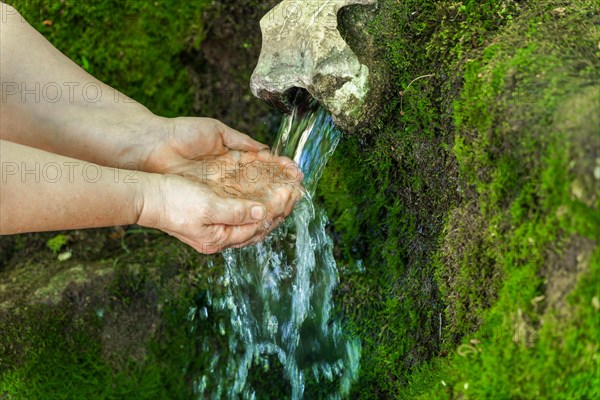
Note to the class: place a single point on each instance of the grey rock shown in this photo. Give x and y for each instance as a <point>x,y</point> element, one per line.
<point>303,48</point>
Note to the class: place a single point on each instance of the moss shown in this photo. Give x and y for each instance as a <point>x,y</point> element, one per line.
<point>127,333</point>
<point>133,46</point>
<point>459,193</point>
<point>517,150</point>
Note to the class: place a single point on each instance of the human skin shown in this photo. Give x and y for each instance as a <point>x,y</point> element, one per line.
<point>36,186</point>
<point>102,126</point>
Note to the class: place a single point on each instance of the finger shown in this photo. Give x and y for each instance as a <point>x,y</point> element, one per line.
<point>237,235</point>
<point>299,193</point>
<point>246,244</point>
<point>238,212</point>
<point>284,161</point>
<point>225,236</point>
<point>295,195</point>
<point>278,203</point>
<point>261,235</point>
<point>235,140</point>
<point>292,200</point>
<point>291,170</point>
<point>255,240</point>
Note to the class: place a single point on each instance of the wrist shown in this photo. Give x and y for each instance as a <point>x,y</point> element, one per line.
<point>145,151</point>
<point>149,202</point>
<point>157,154</point>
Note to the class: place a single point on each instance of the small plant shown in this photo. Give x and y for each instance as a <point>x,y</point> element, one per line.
<point>56,243</point>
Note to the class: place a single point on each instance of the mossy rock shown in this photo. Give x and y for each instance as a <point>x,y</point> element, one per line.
<point>469,202</point>
<point>108,324</point>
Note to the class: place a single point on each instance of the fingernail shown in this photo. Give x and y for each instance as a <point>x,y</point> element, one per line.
<point>258,213</point>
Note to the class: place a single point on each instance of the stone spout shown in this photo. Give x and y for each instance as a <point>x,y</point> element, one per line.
<point>303,49</point>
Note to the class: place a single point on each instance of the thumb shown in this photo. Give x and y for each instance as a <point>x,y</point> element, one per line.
<point>239,212</point>
<point>236,140</point>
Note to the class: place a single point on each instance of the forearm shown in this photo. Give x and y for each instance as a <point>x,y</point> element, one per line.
<point>50,103</point>
<point>41,191</point>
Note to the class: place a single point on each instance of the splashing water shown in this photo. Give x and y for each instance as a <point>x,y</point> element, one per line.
<point>279,292</point>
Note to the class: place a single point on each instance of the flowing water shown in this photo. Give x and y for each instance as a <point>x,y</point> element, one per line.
<point>279,293</point>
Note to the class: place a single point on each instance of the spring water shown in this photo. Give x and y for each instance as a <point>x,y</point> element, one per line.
<point>279,293</point>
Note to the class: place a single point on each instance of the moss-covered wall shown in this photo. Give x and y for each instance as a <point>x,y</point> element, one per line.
<point>465,215</point>
<point>467,212</point>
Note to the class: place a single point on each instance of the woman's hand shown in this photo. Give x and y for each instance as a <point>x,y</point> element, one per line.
<point>274,181</point>
<point>231,163</point>
<point>125,135</point>
<point>188,139</point>
<point>196,215</point>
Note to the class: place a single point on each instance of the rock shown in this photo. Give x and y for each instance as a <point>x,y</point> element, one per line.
<point>302,48</point>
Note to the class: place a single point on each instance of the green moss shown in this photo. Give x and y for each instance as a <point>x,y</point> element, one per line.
<point>472,181</point>
<point>133,46</point>
<point>127,333</point>
<point>518,155</point>
<point>56,243</point>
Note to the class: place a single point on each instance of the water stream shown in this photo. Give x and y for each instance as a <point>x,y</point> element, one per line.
<point>279,293</point>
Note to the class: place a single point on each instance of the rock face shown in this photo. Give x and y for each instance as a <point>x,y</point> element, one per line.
<point>302,48</point>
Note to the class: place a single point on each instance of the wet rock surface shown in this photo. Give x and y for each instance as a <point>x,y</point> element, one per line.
<point>303,49</point>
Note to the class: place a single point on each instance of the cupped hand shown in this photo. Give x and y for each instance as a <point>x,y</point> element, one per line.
<point>195,214</point>
<point>276,182</point>
<point>232,163</point>
<point>228,169</point>
<point>187,139</point>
